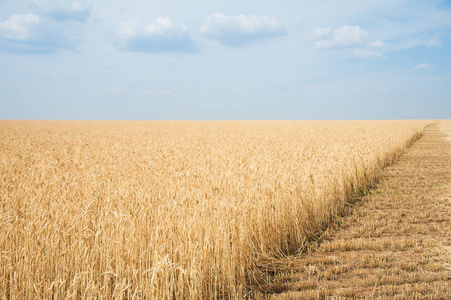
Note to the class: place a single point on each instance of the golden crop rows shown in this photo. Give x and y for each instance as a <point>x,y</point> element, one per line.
<point>173,210</point>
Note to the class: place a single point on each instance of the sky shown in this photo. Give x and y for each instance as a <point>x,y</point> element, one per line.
<point>225,59</point>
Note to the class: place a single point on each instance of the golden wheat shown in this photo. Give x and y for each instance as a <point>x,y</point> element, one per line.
<point>173,210</point>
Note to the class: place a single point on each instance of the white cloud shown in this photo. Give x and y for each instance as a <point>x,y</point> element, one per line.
<point>376,44</point>
<point>343,36</point>
<point>116,89</point>
<point>350,35</point>
<point>242,29</point>
<point>320,33</point>
<point>63,10</point>
<point>369,53</point>
<point>158,36</point>
<point>32,34</point>
<point>435,42</point>
<point>422,65</point>
<point>20,27</point>
<point>156,93</point>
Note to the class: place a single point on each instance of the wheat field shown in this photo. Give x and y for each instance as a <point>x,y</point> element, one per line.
<point>174,210</point>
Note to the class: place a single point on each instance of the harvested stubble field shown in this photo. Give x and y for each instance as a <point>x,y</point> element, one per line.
<point>174,210</point>
<point>394,243</point>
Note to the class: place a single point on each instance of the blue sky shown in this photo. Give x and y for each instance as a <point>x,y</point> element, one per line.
<point>222,60</point>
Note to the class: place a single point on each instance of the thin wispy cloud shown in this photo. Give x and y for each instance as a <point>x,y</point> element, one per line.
<point>63,10</point>
<point>369,53</point>
<point>421,66</point>
<point>434,42</point>
<point>157,93</point>
<point>377,44</point>
<point>116,89</point>
<point>160,35</point>
<point>344,36</point>
<point>242,29</point>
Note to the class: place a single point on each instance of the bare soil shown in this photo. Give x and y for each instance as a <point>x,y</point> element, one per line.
<point>394,243</point>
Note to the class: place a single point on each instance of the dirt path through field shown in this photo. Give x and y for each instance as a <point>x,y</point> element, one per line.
<point>397,241</point>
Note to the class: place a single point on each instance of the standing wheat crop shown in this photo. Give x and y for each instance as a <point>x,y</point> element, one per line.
<point>173,210</point>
